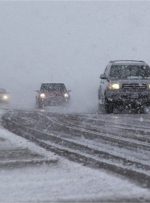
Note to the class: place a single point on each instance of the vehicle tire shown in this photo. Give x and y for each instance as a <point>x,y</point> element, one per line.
<point>141,110</point>
<point>101,109</point>
<point>108,107</point>
<point>40,105</point>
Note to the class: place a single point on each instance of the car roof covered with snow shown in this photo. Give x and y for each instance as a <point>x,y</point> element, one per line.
<point>52,86</point>
<point>132,62</point>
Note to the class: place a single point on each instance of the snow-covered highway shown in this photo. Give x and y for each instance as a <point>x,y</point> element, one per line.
<point>86,139</point>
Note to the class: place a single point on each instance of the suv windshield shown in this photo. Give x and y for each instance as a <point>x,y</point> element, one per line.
<point>53,87</point>
<point>129,71</point>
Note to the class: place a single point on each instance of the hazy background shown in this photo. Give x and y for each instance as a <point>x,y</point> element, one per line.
<point>70,42</point>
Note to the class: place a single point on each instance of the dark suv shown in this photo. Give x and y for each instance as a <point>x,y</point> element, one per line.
<point>52,94</point>
<point>125,84</point>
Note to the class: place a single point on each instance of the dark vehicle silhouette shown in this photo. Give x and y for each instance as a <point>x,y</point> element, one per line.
<point>124,84</point>
<point>4,96</point>
<point>51,94</point>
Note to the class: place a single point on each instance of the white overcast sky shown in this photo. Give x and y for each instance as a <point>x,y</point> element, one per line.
<point>70,42</point>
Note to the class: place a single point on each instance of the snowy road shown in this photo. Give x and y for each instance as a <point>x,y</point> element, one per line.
<point>117,143</point>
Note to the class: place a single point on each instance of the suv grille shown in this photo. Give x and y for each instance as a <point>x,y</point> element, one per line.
<point>134,86</point>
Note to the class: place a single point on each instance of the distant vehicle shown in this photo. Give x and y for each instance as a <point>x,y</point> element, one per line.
<point>125,84</point>
<point>4,96</point>
<point>52,94</point>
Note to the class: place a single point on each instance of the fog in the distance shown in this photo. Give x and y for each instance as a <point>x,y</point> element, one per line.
<point>68,42</point>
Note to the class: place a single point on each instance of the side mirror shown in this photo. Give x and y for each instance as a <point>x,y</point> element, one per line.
<point>103,76</point>
<point>38,91</point>
<point>69,90</point>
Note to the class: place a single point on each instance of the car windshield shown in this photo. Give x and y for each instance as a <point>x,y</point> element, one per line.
<point>129,71</point>
<point>52,87</point>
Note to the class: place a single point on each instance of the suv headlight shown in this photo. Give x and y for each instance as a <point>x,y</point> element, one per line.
<point>66,95</point>
<point>42,95</point>
<point>114,86</point>
<point>5,97</point>
<point>148,86</point>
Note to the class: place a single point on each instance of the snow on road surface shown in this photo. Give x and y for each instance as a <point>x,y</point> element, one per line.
<point>65,181</point>
<point>62,181</point>
<point>17,152</point>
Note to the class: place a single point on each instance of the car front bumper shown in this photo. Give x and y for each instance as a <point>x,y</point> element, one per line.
<point>3,101</point>
<point>54,101</point>
<point>139,98</point>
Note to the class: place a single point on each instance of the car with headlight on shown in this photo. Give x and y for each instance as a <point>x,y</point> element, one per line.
<point>51,94</point>
<point>124,84</point>
<point>4,96</point>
